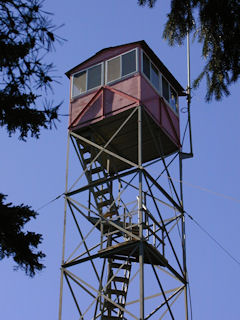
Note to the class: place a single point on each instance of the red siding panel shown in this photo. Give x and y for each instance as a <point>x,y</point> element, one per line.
<point>106,101</point>
<point>150,99</point>
<point>94,111</point>
<point>77,105</point>
<point>129,86</point>
<point>160,111</point>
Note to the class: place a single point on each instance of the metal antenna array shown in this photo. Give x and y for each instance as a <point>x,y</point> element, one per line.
<point>124,229</point>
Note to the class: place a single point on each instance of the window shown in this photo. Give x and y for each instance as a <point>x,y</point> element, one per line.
<point>170,95</point>
<point>121,66</point>
<point>128,62</point>
<point>173,99</point>
<point>113,69</point>
<point>146,66</point>
<point>86,80</point>
<point>79,83</point>
<point>159,82</point>
<point>154,76</point>
<point>150,71</point>
<point>165,89</point>
<point>94,77</point>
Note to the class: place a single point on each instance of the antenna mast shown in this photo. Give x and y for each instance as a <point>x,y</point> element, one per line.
<point>189,93</point>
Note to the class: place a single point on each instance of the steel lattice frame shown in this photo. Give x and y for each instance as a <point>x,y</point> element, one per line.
<point>135,245</point>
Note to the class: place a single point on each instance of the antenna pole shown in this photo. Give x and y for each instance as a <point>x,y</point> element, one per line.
<point>181,173</point>
<point>189,92</point>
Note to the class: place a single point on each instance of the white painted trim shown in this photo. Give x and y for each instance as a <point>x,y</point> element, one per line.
<point>137,59</point>
<point>120,55</point>
<point>86,69</point>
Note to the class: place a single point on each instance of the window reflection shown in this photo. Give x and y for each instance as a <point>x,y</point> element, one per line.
<point>154,76</point>
<point>79,83</point>
<point>128,63</point>
<point>86,80</point>
<point>173,99</point>
<point>146,66</point>
<point>94,77</point>
<point>113,69</point>
<point>165,88</point>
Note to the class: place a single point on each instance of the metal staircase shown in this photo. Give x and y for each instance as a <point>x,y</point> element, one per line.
<point>96,175</point>
<point>118,273</point>
<point>116,290</point>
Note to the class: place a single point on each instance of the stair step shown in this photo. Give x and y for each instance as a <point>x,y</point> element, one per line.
<point>99,181</point>
<point>103,204</point>
<point>118,265</point>
<point>101,192</point>
<point>121,279</point>
<point>95,170</point>
<point>111,306</point>
<point>116,292</point>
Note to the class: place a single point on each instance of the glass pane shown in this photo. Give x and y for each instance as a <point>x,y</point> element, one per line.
<point>94,77</point>
<point>165,89</point>
<point>113,69</point>
<point>128,62</point>
<point>79,83</point>
<point>146,66</point>
<point>173,99</point>
<point>154,77</point>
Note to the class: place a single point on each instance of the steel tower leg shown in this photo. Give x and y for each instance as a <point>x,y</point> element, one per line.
<point>64,232</point>
<point>183,238</point>
<point>140,214</point>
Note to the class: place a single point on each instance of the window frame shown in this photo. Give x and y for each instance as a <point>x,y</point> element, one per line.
<point>160,84</point>
<point>83,70</point>
<point>127,75</point>
<point>169,95</point>
<point>106,69</point>
<point>160,91</point>
<point>168,90</point>
<point>177,104</point>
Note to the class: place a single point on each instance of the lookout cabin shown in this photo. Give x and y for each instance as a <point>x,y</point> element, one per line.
<point>108,85</point>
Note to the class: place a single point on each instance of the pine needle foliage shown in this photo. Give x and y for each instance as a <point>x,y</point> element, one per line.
<point>27,34</point>
<point>216,25</point>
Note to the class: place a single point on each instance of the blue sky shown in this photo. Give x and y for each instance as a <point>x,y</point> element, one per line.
<point>34,172</point>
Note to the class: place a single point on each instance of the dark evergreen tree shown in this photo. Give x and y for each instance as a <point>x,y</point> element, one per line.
<point>216,24</point>
<point>16,243</point>
<point>26,36</point>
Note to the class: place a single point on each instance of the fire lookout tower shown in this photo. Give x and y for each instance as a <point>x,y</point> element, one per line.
<point>124,229</point>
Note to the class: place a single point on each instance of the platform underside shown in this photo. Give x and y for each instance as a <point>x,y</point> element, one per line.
<point>106,227</point>
<point>130,250</point>
<point>155,142</point>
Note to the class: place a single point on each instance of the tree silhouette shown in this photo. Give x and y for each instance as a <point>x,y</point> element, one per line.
<point>16,243</point>
<point>26,36</point>
<point>216,24</point>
